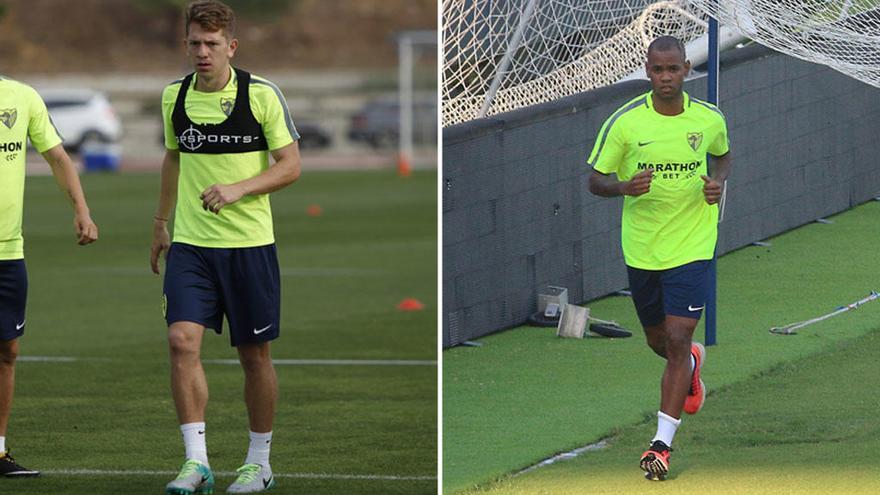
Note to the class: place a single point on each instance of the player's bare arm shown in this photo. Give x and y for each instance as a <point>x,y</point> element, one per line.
<point>282,173</point>
<point>608,186</point>
<point>68,180</point>
<point>167,200</point>
<point>713,186</point>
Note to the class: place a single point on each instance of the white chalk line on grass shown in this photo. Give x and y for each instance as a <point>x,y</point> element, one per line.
<point>320,476</point>
<point>277,362</point>
<point>335,362</point>
<point>601,444</point>
<point>343,272</point>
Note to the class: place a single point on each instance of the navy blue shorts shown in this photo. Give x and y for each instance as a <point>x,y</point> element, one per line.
<point>13,298</point>
<point>203,285</point>
<point>679,291</point>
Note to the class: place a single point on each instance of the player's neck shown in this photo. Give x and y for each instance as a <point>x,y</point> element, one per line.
<point>668,107</point>
<point>208,83</point>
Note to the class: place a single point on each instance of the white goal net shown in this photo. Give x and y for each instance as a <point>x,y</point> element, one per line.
<point>500,55</point>
<point>503,55</point>
<point>842,34</point>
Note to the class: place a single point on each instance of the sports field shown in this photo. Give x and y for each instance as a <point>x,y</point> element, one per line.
<point>93,407</point>
<point>785,414</point>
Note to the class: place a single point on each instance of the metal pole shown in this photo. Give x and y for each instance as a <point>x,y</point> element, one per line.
<point>712,96</point>
<point>512,46</point>
<point>405,90</point>
<point>844,12</point>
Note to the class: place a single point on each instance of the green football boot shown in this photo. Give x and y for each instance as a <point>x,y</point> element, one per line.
<point>194,478</point>
<point>252,478</point>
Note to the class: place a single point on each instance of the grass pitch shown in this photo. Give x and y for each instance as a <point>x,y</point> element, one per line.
<point>526,395</point>
<point>806,427</point>
<point>105,423</point>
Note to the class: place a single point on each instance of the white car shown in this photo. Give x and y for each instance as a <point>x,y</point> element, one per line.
<point>82,116</point>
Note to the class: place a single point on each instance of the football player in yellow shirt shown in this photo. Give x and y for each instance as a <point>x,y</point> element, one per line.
<point>221,125</point>
<point>23,116</point>
<point>656,146</point>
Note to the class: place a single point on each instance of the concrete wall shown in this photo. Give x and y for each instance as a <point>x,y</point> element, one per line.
<point>517,214</point>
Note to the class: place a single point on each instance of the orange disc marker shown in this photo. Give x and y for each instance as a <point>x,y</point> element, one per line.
<point>410,304</point>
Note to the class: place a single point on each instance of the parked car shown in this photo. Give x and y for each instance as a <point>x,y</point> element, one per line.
<point>82,116</point>
<point>378,122</point>
<point>312,135</point>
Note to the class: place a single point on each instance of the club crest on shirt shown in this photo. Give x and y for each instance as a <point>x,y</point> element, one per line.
<point>8,116</point>
<point>695,139</point>
<point>226,105</point>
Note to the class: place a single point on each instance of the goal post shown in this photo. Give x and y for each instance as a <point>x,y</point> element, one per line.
<point>408,44</point>
<point>712,81</point>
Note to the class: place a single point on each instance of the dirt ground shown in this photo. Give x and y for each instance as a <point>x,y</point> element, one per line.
<point>59,36</point>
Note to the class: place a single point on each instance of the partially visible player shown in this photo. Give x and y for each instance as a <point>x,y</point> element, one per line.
<point>221,126</point>
<point>656,145</point>
<point>23,115</point>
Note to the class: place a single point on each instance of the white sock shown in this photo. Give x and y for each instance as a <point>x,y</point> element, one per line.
<point>194,442</point>
<point>2,445</point>
<point>258,450</point>
<point>666,426</point>
<point>693,363</point>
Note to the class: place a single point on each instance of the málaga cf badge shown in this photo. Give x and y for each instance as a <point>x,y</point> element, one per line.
<point>8,116</point>
<point>695,139</point>
<point>226,105</point>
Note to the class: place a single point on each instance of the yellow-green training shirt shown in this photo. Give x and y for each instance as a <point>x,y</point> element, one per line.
<point>23,115</point>
<point>248,222</point>
<point>672,224</point>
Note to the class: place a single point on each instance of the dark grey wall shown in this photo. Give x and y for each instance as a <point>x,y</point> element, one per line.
<point>517,214</point>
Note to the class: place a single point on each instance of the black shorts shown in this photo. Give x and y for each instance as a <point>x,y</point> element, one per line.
<point>13,298</point>
<point>679,291</point>
<point>203,285</point>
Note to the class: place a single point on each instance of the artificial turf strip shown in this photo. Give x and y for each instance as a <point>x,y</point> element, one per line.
<point>804,427</point>
<point>343,274</point>
<point>526,395</point>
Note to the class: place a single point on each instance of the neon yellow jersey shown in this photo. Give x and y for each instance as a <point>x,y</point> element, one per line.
<point>672,224</point>
<point>23,115</point>
<point>248,222</point>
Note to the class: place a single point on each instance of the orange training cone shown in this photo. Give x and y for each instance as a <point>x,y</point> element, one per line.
<point>314,211</point>
<point>410,304</point>
<point>404,169</point>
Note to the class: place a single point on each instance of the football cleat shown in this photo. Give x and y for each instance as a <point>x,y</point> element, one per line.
<point>11,469</point>
<point>697,393</point>
<point>252,478</point>
<point>194,478</point>
<point>655,461</point>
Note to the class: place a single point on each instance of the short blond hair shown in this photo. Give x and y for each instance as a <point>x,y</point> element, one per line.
<point>211,15</point>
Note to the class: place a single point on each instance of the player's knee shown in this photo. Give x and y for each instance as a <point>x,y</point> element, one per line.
<point>655,336</point>
<point>658,345</point>
<point>181,343</point>
<point>8,353</point>
<point>254,357</point>
<point>678,344</point>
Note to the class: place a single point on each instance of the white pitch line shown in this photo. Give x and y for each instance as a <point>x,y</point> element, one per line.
<point>601,444</point>
<point>343,272</point>
<point>333,362</point>
<point>47,359</point>
<point>279,362</point>
<point>322,476</point>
